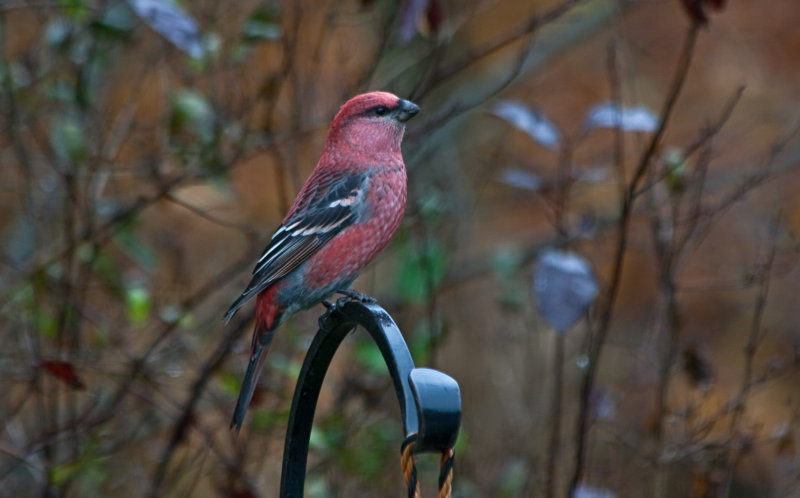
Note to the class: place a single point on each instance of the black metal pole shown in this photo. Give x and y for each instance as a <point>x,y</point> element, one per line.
<point>430,402</point>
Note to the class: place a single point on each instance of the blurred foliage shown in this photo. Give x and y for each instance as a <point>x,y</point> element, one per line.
<point>420,271</point>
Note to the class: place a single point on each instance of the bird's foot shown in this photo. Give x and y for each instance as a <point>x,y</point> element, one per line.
<point>330,308</point>
<point>348,295</point>
<point>357,296</point>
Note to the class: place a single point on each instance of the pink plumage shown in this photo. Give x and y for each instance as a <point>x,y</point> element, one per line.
<point>345,214</point>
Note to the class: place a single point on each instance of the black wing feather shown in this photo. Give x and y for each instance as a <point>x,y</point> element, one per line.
<point>328,213</point>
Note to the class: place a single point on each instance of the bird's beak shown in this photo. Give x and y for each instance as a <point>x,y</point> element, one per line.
<point>406,110</point>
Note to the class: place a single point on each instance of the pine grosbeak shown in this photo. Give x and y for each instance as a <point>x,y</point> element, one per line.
<point>343,216</point>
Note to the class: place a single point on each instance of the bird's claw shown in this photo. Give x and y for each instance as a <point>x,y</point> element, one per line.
<point>354,295</point>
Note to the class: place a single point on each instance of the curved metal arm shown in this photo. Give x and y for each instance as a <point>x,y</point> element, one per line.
<point>430,401</point>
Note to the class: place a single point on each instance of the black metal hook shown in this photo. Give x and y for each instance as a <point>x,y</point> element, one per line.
<point>430,401</point>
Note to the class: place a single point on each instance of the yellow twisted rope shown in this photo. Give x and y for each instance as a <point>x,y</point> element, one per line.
<point>408,462</point>
<point>446,474</point>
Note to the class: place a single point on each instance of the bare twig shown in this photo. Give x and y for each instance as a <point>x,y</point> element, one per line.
<point>555,417</point>
<point>764,277</point>
<point>626,211</point>
<point>184,422</point>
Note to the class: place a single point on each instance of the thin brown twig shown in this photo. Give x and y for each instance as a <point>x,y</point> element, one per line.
<point>556,407</point>
<point>754,338</point>
<point>246,229</point>
<point>95,415</point>
<point>522,30</point>
<point>184,421</point>
<point>626,212</point>
<point>103,233</point>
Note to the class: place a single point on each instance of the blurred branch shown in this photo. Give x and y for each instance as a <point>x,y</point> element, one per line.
<point>555,416</point>
<point>763,277</point>
<point>701,142</point>
<point>103,233</point>
<point>186,418</point>
<point>532,52</point>
<point>503,40</point>
<point>9,6</point>
<point>626,211</point>
<point>246,229</point>
<point>95,416</point>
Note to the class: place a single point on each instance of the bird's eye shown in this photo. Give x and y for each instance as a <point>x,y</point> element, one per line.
<point>380,110</point>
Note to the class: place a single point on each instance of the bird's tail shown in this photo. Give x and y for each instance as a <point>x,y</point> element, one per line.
<point>261,343</point>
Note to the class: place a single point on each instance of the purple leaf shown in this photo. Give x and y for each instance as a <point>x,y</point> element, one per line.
<point>584,491</point>
<point>410,15</point>
<point>172,23</point>
<point>520,178</point>
<point>564,287</point>
<point>532,122</point>
<point>610,115</point>
<point>602,404</point>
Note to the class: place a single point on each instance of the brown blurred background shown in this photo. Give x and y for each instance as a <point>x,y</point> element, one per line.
<point>149,150</point>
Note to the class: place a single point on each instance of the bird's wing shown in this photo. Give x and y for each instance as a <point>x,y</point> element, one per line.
<point>334,204</point>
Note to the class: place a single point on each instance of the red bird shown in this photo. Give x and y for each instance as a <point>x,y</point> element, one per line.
<point>343,216</point>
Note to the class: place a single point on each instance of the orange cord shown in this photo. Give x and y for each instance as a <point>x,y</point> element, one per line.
<point>446,474</point>
<point>408,462</point>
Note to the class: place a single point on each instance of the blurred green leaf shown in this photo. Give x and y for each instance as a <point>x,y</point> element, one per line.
<point>677,169</point>
<point>57,33</point>
<point>263,23</point>
<point>20,241</point>
<point>137,304</point>
<point>186,321</point>
<point>90,480</point>
<point>193,113</point>
<point>16,74</point>
<point>317,487</point>
<point>67,138</point>
<point>506,262</point>
<point>86,473</point>
<point>368,354</point>
<point>60,91</point>
<point>513,478</point>
<point>318,441</point>
<point>108,270</point>
<point>514,294</point>
<point>462,441</point>
<point>135,249</point>
<point>85,252</point>
<point>117,21</point>
<point>60,474</point>
<point>45,322</point>
<point>239,52</point>
<point>230,384</point>
<point>330,433</point>
<point>76,9</point>
<point>264,420</point>
<point>367,456</point>
<point>170,313</point>
<point>285,365</point>
<point>432,205</point>
<point>420,272</point>
<point>99,337</point>
<point>421,342</point>
<point>212,45</point>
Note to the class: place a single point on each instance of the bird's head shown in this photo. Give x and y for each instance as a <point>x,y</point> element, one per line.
<point>372,121</point>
